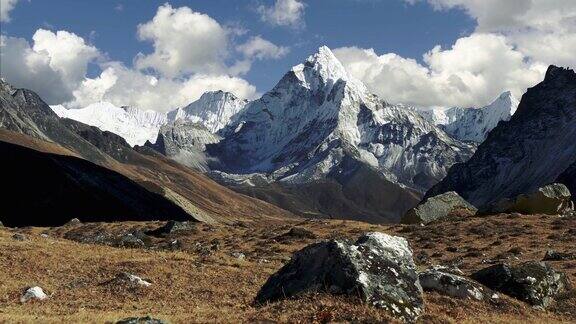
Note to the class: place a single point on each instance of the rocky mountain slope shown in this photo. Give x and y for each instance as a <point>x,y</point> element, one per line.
<point>320,123</point>
<point>214,110</point>
<point>136,126</point>
<point>473,124</point>
<point>531,150</point>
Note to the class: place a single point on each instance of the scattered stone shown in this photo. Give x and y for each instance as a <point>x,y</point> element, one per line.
<point>44,235</point>
<point>73,221</point>
<point>125,278</point>
<point>378,268</point>
<point>33,293</point>
<point>238,255</point>
<point>533,282</point>
<point>553,199</point>
<point>552,255</point>
<point>141,320</point>
<point>437,208</point>
<point>130,240</point>
<point>452,285</point>
<point>447,269</point>
<point>1,224</point>
<point>299,233</point>
<point>171,227</point>
<point>19,237</point>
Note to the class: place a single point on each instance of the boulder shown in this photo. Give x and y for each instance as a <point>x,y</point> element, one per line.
<point>73,221</point>
<point>171,227</point>
<point>141,320</point>
<point>298,233</point>
<point>553,199</point>
<point>378,268</point>
<point>533,282</point>
<point>33,293</point>
<point>19,237</point>
<point>452,285</point>
<point>436,208</point>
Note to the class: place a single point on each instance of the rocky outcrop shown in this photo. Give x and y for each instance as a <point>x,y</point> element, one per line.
<point>453,285</point>
<point>568,178</point>
<point>533,282</point>
<point>530,151</point>
<point>171,227</point>
<point>437,208</point>
<point>378,268</point>
<point>553,199</point>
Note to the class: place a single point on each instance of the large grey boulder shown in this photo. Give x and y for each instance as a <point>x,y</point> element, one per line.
<point>436,208</point>
<point>533,282</point>
<point>552,199</point>
<point>453,285</point>
<point>378,268</point>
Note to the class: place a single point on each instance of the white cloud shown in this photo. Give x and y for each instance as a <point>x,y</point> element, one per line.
<point>259,48</point>
<point>123,86</point>
<point>5,7</point>
<point>474,71</point>
<point>184,42</point>
<point>53,66</point>
<point>544,30</point>
<point>284,13</point>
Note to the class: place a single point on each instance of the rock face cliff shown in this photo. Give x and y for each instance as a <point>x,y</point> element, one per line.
<point>531,150</point>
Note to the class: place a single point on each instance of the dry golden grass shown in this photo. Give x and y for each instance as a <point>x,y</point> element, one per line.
<point>202,283</point>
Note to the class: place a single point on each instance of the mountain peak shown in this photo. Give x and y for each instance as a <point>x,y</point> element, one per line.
<point>324,65</point>
<point>555,72</point>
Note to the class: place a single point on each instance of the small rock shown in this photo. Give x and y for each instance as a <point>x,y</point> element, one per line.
<point>125,278</point>
<point>452,285</point>
<point>44,235</point>
<point>436,208</point>
<point>141,320</point>
<point>238,255</point>
<point>1,224</point>
<point>552,255</point>
<point>19,237</point>
<point>130,241</point>
<point>533,282</point>
<point>299,233</point>
<point>171,227</point>
<point>378,268</point>
<point>73,221</point>
<point>33,293</point>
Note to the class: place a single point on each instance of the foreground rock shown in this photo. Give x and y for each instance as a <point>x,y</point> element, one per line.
<point>553,199</point>
<point>378,268</point>
<point>552,255</point>
<point>533,282</point>
<point>453,285</point>
<point>436,208</point>
<point>32,293</point>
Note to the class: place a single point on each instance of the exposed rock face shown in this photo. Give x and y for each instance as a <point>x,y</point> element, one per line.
<point>185,142</point>
<point>436,208</point>
<point>533,282</point>
<point>32,293</point>
<point>530,151</point>
<point>213,110</point>
<point>377,267</point>
<point>553,199</point>
<point>568,178</point>
<point>452,285</point>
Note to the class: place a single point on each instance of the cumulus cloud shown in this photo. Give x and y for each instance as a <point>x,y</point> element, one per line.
<point>124,86</point>
<point>184,42</point>
<point>284,13</point>
<point>473,72</point>
<point>53,66</point>
<point>259,48</point>
<point>542,29</point>
<point>5,7</point>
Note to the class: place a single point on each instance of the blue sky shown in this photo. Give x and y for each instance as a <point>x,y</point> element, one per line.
<point>420,52</point>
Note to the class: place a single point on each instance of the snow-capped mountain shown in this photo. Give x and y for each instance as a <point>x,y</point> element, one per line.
<point>136,126</point>
<point>531,150</point>
<point>214,110</point>
<point>473,124</point>
<point>320,122</point>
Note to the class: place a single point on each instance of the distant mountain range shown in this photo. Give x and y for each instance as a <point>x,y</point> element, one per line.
<point>318,144</point>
